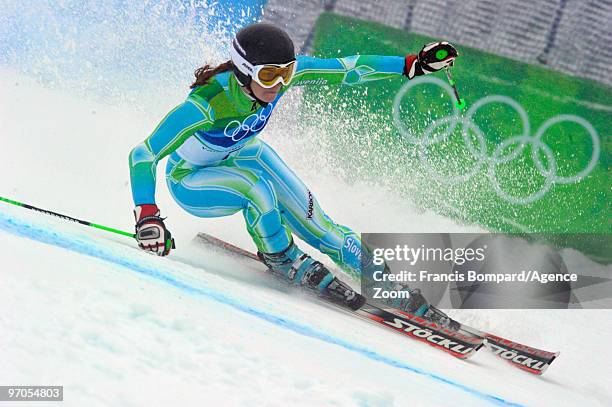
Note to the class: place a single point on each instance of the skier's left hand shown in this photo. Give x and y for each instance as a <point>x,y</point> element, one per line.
<point>433,57</point>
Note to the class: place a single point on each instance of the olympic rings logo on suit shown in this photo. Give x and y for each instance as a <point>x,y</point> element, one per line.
<point>500,156</point>
<point>254,123</point>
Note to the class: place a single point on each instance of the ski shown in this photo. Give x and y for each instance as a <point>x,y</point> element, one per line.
<point>527,358</point>
<point>461,344</point>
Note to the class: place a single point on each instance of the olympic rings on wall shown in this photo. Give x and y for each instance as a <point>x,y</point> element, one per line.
<point>479,151</point>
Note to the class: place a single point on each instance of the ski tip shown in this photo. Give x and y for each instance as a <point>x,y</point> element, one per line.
<point>526,358</point>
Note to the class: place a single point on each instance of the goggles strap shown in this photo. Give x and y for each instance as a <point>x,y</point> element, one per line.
<point>239,61</point>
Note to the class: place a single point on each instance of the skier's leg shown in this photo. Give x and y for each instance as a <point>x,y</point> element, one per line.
<point>300,209</point>
<point>339,242</point>
<point>221,191</point>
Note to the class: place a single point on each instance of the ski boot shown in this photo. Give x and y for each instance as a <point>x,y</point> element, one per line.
<point>299,268</point>
<point>415,304</point>
<point>435,315</point>
<point>341,293</point>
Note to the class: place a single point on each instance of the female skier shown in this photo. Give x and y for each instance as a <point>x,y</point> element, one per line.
<point>218,166</point>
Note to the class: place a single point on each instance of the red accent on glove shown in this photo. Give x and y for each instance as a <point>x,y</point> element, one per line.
<point>145,210</point>
<point>410,59</point>
<point>412,64</point>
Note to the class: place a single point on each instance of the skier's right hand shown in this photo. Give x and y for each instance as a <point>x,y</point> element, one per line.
<point>151,233</point>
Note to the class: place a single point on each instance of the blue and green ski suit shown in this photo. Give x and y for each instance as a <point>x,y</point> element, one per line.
<point>217,166</point>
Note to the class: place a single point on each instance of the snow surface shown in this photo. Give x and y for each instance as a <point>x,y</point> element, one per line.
<point>117,327</point>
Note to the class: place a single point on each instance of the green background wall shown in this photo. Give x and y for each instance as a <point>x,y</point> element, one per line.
<point>557,182</point>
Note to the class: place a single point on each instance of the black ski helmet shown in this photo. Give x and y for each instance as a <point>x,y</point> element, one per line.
<point>261,43</point>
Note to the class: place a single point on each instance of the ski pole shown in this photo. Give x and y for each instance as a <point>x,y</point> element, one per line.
<point>460,101</point>
<point>65,217</point>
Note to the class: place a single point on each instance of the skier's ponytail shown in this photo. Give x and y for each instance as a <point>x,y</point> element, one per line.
<point>204,73</point>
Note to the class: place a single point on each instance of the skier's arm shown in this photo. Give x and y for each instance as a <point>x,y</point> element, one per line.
<point>174,129</point>
<point>349,70</point>
<point>356,69</point>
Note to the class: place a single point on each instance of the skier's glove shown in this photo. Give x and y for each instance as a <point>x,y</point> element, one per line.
<point>151,233</point>
<point>433,57</point>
